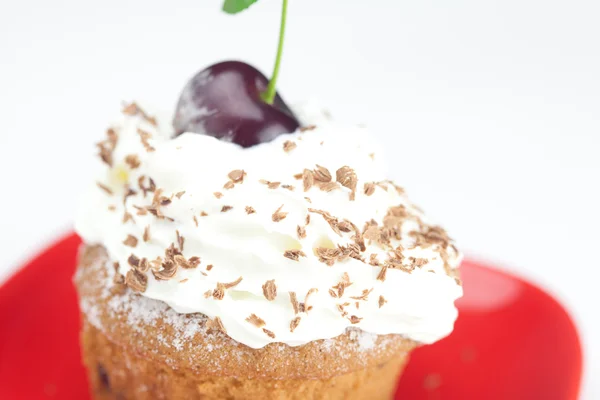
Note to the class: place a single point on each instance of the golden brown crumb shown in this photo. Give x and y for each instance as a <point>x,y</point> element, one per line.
<point>215,324</point>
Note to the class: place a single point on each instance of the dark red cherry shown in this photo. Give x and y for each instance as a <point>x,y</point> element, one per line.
<point>225,101</point>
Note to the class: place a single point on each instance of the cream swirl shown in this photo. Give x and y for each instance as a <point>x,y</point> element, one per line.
<point>251,230</point>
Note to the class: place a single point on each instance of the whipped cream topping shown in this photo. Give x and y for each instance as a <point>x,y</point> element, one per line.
<point>289,241</point>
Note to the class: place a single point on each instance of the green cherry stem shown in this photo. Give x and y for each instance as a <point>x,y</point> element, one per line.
<point>269,95</point>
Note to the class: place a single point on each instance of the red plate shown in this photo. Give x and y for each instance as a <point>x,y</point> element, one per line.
<point>511,341</point>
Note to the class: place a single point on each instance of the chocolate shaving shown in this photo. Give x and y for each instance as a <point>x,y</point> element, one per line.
<point>132,160</point>
<point>194,261</point>
<point>130,241</point>
<point>329,186</point>
<point>229,185</point>
<point>327,256</point>
<point>345,226</point>
<point>346,177</point>
<point>143,265</point>
<point>226,208</point>
<point>294,324</point>
<point>128,193</point>
<point>168,271</point>
<point>364,296</point>
<point>127,217</point>
<point>180,240</point>
<point>382,301</point>
<point>269,333</point>
<point>270,290</point>
<point>308,179</point>
<point>237,175</point>
<point>133,261</point>
<point>294,302</point>
<point>301,231</point>
<point>256,320</point>
<point>270,185</point>
<point>219,292</point>
<point>105,153</point>
<point>140,210</point>
<point>232,284</point>
<point>307,128</point>
<point>179,194</point>
<point>382,273</point>
<point>218,195</point>
<point>136,281</point>
<point>209,267</point>
<point>340,308</point>
<point>289,145</point>
<point>322,174</point>
<point>195,221</point>
<point>373,260</point>
<point>342,285</point>
<point>310,291</point>
<point>250,210</point>
<point>332,221</point>
<point>151,187</point>
<point>294,254</point>
<point>104,188</point>
<point>369,188</point>
<point>144,137</point>
<point>354,319</point>
<point>133,109</point>
<point>278,215</point>
<point>182,262</point>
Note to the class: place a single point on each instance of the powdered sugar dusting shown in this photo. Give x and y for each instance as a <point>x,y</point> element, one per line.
<point>141,313</point>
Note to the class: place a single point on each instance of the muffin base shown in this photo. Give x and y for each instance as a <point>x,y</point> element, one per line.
<point>118,374</point>
<point>139,348</point>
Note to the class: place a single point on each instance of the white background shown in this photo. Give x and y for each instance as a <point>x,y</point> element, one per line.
<point>495,106</point>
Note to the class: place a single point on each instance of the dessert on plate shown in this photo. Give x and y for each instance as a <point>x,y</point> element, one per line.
<point>243,250</point>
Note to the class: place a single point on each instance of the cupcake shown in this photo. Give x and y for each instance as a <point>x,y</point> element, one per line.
<point>245,250</point>
<point>293,269</point>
